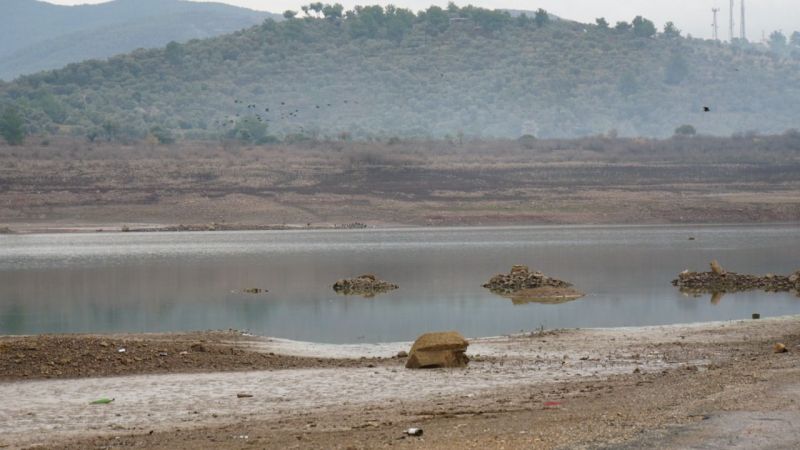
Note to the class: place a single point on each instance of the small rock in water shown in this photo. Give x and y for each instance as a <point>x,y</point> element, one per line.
<point>402,354</point>
<point>254,290</point>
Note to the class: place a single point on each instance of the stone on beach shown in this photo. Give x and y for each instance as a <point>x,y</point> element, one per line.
<point>436,350</point>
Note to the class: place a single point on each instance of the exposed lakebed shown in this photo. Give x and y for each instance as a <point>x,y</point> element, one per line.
<point>140,282</point>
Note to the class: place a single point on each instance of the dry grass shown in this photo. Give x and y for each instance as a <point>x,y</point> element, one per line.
<point>598,180</point>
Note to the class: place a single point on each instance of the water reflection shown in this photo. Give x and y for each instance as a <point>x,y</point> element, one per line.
<point>189,281</point>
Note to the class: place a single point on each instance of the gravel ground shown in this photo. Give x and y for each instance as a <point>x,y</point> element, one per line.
<point>705,386</point>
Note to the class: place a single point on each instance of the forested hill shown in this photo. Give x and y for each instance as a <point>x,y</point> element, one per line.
<point>377,72</point>
<point>35,35</point>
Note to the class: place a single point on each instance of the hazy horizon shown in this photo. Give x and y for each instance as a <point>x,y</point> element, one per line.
<point>691,16</point>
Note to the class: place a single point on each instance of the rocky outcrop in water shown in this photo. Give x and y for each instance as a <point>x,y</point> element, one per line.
<point>523,286</point>
<point>521,278</point>
<point>720,280</point>
<point>366,285</point>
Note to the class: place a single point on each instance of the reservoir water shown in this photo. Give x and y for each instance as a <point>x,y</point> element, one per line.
<point>150,282</point>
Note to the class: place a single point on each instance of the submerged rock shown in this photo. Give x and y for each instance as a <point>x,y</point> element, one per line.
<point>435,350</point>
<point>367,285</point>
<point>254,291</point>
<point>523,286</point>
<point>546,295</point>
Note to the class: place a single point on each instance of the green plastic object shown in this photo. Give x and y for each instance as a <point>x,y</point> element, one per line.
<point>102,401</point>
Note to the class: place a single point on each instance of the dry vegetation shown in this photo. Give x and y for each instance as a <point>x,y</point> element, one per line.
<point>72,183</point>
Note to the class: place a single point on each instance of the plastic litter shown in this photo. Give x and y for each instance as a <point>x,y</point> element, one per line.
<point>102,401</point>
<point>414,431</point>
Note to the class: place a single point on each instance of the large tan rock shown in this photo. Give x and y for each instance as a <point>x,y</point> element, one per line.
<point>442,349</point>
<point>519,268</point>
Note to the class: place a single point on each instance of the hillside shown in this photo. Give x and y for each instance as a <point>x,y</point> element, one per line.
<point>383,73</point>
<point>35,35</point>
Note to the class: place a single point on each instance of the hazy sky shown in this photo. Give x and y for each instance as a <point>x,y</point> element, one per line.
<point>692,16</point>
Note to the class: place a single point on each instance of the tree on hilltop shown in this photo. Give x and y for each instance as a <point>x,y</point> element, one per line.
<point>671,31</point>
<point>777,42</point>
<point>541,18</point>
<point>643,27</point>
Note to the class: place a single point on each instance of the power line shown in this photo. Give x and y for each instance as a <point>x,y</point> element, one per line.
<point>715,24</point>
<point>742,28</point>
<point>732,24</point>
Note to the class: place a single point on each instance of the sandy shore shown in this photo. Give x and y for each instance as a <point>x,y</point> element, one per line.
<point>718,385</point>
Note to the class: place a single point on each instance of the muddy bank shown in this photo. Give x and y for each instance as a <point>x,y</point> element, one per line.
<point>80,356</point>
<point>570,388</point>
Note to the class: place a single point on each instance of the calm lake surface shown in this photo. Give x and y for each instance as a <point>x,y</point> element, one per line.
<point>131,282</point>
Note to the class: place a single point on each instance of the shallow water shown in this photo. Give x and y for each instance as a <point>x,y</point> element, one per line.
<point>132,282</point>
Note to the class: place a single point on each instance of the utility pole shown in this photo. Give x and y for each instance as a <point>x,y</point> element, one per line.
<point>742,29</point>
<point>715,24</point>
<point>732,27</point>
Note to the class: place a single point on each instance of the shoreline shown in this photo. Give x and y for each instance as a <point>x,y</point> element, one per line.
<point>654,379</point>
<point>29,229</point>
<point>311,349</point>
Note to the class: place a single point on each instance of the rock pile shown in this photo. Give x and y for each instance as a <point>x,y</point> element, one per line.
<point>434,350</point>
<point>366,285</point>
<point>523,286</point>
<point>522,278</point>
<point>720,280</point>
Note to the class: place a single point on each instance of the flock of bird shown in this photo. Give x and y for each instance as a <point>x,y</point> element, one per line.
<point>286,113</point>
<point>269,114</point>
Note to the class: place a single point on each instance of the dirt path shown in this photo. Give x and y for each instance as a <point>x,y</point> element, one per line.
<point>627,388</point>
